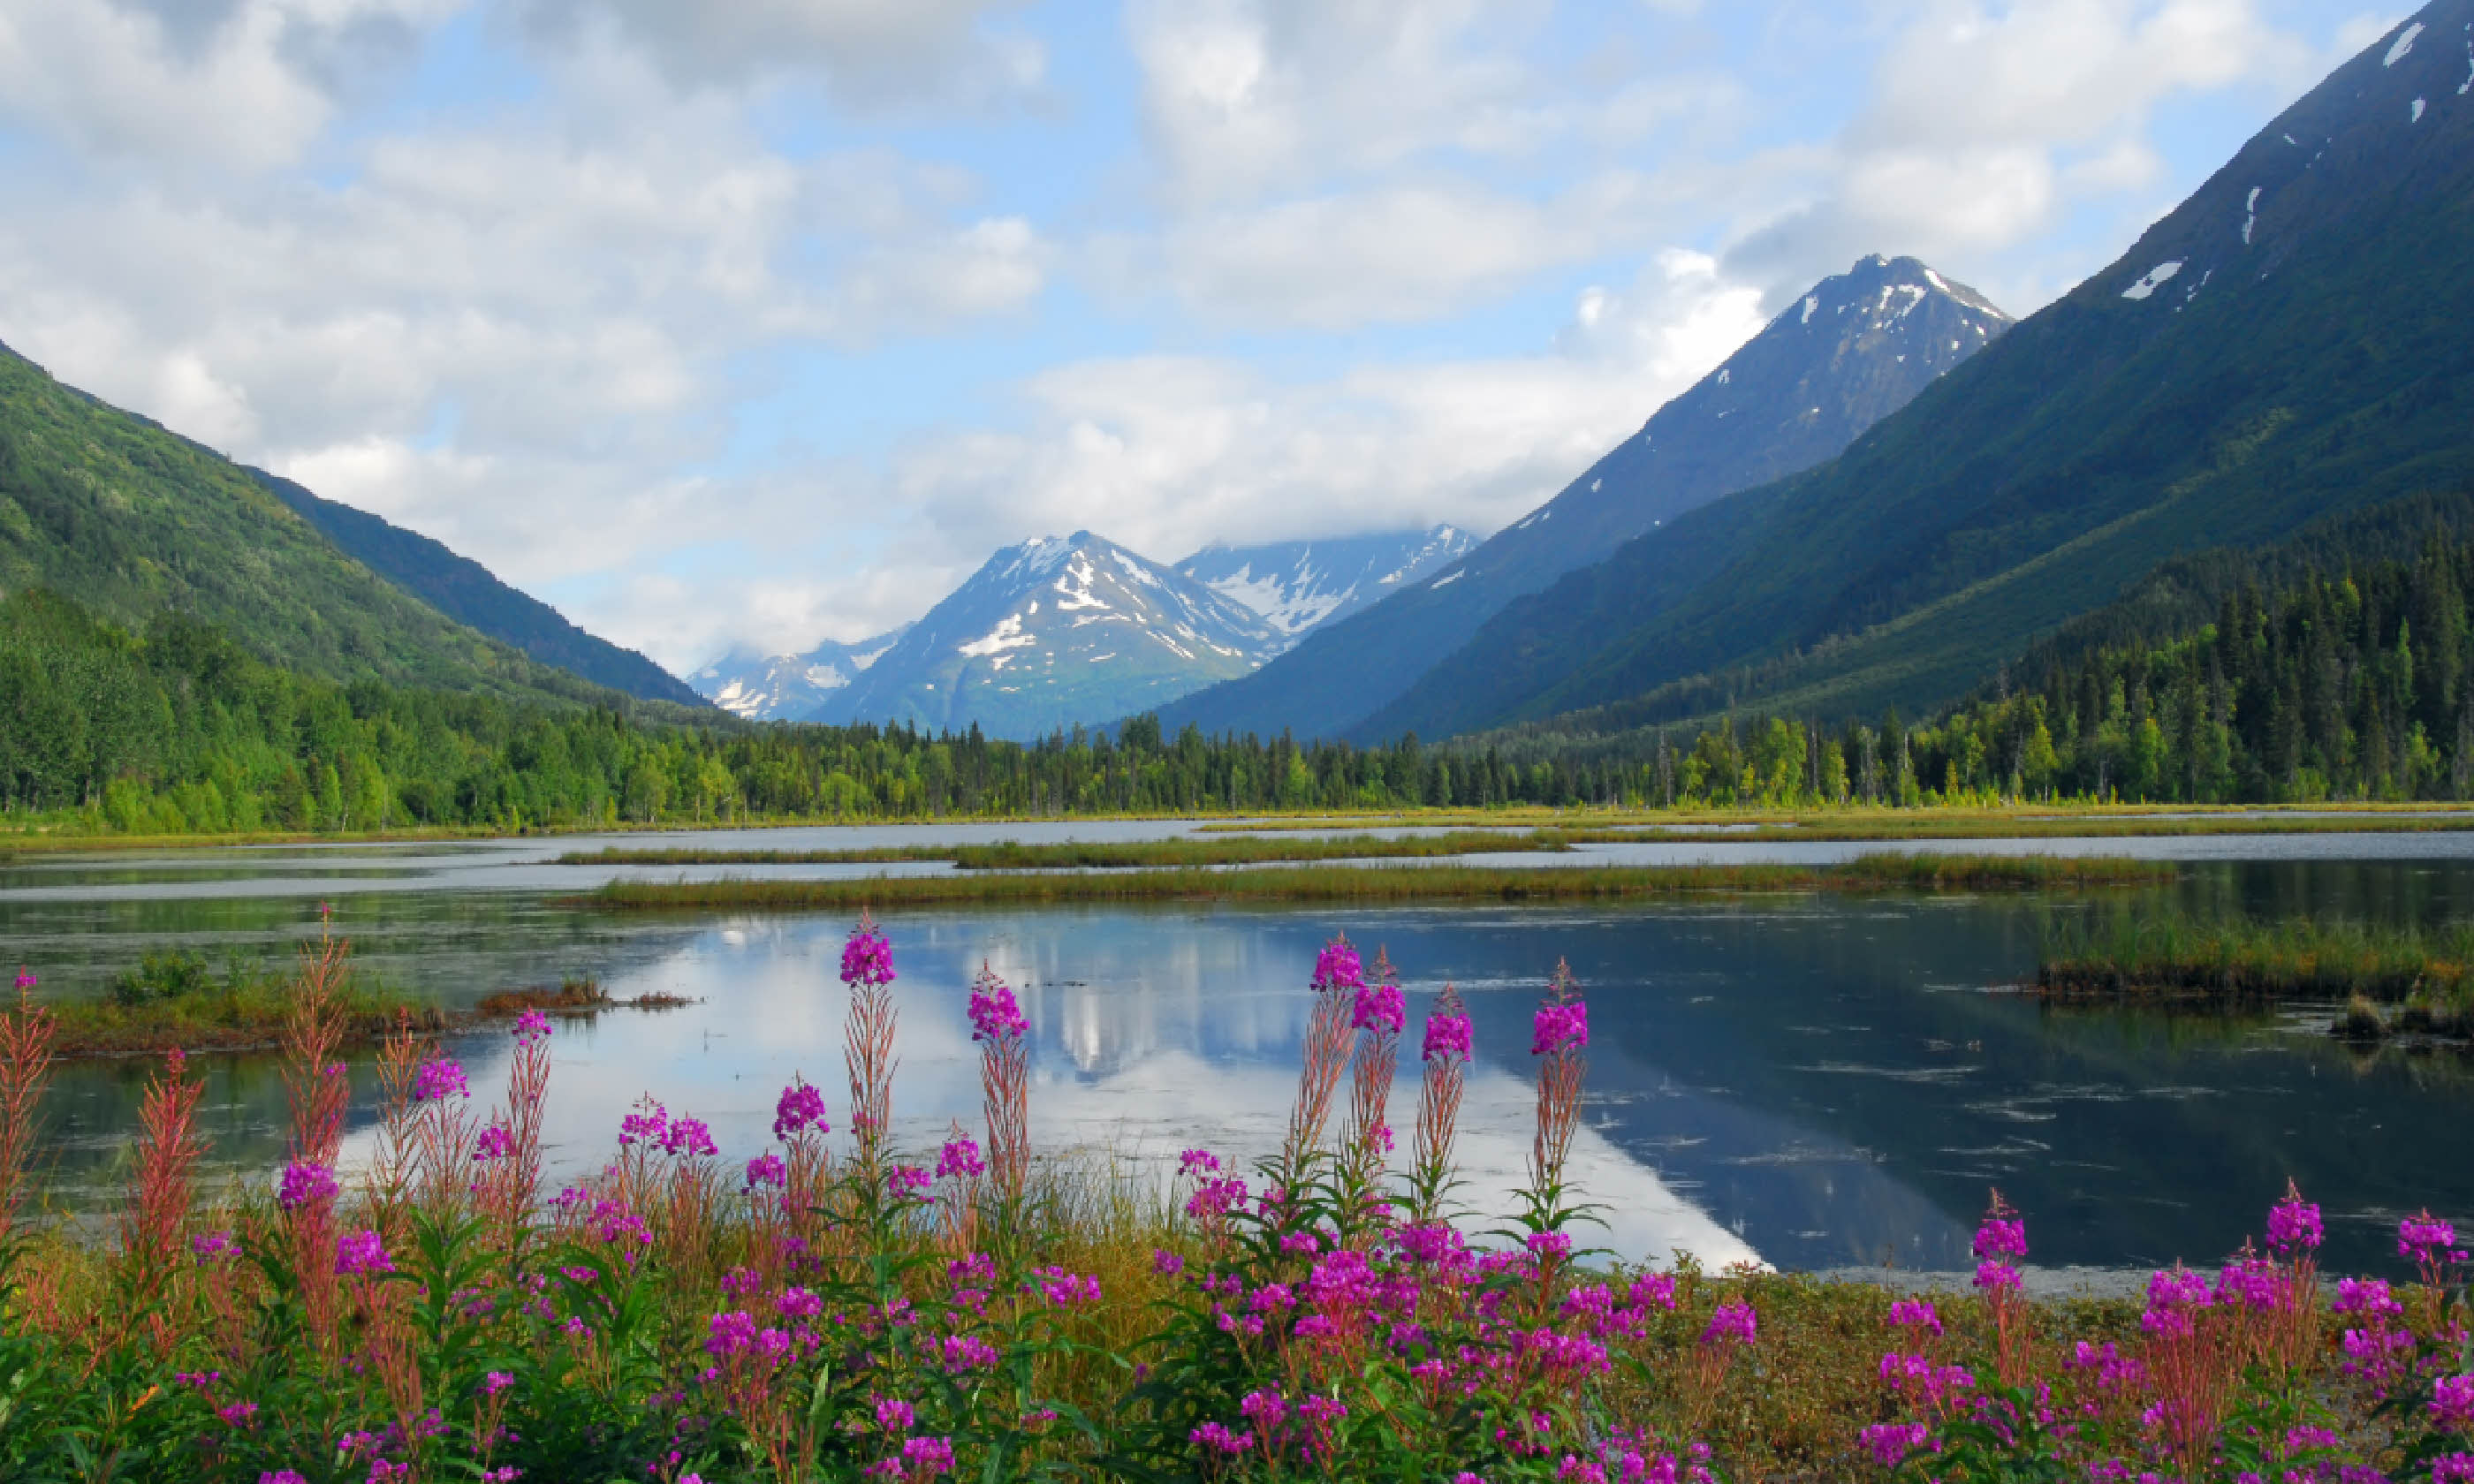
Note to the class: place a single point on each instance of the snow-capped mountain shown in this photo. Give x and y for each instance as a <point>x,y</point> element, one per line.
<point>1836,360</point>
<point>1296,586</point>
<point>787,687</point>
<point>1054,632</point>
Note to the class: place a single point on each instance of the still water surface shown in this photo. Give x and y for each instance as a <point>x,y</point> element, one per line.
<point>1810,1082</point>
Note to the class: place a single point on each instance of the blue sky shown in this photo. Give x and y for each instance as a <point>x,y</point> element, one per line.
<point>764,320</point>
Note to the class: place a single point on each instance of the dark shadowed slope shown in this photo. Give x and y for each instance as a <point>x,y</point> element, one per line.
<point>2289,342</point>
<point>1852,352</point>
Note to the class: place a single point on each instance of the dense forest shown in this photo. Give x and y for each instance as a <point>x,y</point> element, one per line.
<point>2350,683</point>
<point>180,729</point>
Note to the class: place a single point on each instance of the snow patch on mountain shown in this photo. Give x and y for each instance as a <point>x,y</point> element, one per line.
<point>2404,44</point>
<point>1296,587</point>
<point>761,687</point>
<point>2154,280</point>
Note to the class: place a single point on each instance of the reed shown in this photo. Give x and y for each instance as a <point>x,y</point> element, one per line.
<point>1884,872</point>
<point>2429,974</point>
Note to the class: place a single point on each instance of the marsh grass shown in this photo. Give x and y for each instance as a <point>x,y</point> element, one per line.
<point>2390,977</point>
<point>1081,854</point>
<point>1887,872</point>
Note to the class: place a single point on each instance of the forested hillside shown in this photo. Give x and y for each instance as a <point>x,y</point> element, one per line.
<point>180,729</point>
<point>470,593</point>
<point>137,522</point>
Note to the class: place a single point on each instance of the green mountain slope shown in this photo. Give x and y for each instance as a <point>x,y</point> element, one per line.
<point>467,592</point>
<point>132,521</point>
<point>1854,349</point>
<point>2288,343</point>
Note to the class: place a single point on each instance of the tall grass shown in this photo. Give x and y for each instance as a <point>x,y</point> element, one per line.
<point>835,1310</point>
<point>2240,961</point>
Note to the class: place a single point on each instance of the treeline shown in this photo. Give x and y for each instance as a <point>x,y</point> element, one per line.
<point>2346,685</point>
<point>178,730</point>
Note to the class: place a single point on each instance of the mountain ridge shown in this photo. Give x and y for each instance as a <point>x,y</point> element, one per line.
<point>1053,632</point>
<point>2281,346</point>
<point>471,594</point>
<point>1856,346</point>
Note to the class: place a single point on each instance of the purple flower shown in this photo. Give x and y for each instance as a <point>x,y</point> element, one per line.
<point>24,982</point>
<point>496,1382</point>
<point>304,1183</point>
<point>2364,1296</point>
<point>868,959</point>
<point>362,1251</point>
<point>2425,1238</point>
<point>929,1456</point>
<point>1734,1321</point>
<point>1916,1314</point>
<point>729,1335</point>
<point>1447,1036</point>
<point>1890,1443</point>
<point>1548,1246</point>
<point>801,1107</point>
<point>907,1183</point>
<point>213,1246</point>
<point>2002,1235</point>
<point>1166,1263</point>
<point>1063,1289</point>
<point>1213,1438</point>
<point>964,1352</point>
<point>1198,1161</point>
<point>1266,1409</point>
<point>768,1169</point>
<point>281,1476</point>
<point>531,1026</point>
<point>1997,1278</point>
<point>2452,1402</point>
<point>1380,1008</point>
<point>1558,1026</point>
<point>1337,967</point>
<point>994,1014</point>
<point>2452,1468</point>
<point>494,1143</point>
<point>959,1157</point>
<point>894,1415</point>
<point>688,1136</point>
<point>2172,1296</point>
<point>433,1081</point>
<point>2294,1225</point>
<point>649,1128</point>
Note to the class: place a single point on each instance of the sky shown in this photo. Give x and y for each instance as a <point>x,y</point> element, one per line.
<point>765,321</point>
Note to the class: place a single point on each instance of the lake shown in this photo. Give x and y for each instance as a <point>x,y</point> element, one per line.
<point>1808,1082</point>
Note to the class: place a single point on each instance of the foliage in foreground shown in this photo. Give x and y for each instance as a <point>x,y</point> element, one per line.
<point>829,1311</point>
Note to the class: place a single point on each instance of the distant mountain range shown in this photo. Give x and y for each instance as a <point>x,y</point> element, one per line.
<point>1852,350</point>
<point>2288,343</point>
<point>1133,634</point>
<point>1297,586</point>
<point>787,687</point>
<point>1052,633</point>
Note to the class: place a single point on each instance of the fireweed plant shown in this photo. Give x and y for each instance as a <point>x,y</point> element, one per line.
<point>863,1311</point>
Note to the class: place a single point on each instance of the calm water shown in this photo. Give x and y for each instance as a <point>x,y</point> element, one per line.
<point>1810,1082</point>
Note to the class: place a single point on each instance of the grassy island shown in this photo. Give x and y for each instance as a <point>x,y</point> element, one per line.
<point>1881,873</point>
<point>2391,979</point>
<point>174,1000</point>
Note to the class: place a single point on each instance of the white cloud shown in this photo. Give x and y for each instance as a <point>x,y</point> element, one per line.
<point>245,84</point>
<point>1984,125</point>
<point>871,52</point>
<point>1166,453</point>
